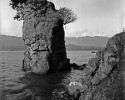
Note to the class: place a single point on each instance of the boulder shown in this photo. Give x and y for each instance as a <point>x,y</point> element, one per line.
<point>43,36</point>
<point>103,77</point>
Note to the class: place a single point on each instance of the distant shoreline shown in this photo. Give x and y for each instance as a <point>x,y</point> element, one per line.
<point>12,43</point>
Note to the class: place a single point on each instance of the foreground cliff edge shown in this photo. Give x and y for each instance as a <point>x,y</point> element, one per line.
<point>104,76</point>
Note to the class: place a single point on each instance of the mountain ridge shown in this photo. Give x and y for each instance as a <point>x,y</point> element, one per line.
<point>88,41</point>
<point>72,43</point>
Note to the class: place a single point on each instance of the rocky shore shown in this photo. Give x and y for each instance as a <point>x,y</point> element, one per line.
<point>43,34</point>
<point>103,77</point>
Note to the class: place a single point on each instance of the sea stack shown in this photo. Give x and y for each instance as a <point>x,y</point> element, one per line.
<point>43,36</point>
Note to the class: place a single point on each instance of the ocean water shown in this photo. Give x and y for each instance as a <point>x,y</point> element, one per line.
<point>18,85</point>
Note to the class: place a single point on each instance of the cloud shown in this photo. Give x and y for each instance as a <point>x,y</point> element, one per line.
<point>99,17</point>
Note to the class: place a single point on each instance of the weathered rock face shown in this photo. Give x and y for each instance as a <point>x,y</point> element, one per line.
<point>103,77</point>
<point>43,36</point>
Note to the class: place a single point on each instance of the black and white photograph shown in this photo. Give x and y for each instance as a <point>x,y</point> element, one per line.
<point>62,49</point>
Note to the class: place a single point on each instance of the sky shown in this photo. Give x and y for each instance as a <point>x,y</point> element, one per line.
<point>94,18</point>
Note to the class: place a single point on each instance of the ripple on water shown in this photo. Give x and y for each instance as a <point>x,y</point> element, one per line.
<point>16,85</point>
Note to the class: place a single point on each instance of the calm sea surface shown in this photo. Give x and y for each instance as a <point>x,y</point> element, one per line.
<point>18,85</point>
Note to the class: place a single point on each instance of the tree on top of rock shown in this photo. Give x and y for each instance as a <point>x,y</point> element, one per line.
<point>67,15</point>
<point>14,3</point>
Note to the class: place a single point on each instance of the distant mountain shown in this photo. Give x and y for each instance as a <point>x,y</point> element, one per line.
<point>97,41</point>
<point>80,43</point>
<point>11,43</point>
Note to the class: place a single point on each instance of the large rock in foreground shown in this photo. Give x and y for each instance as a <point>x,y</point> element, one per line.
<point>43,36</point>
<point>104,76</point>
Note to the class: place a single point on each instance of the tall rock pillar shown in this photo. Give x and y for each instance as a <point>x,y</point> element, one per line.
<point>43,36</point>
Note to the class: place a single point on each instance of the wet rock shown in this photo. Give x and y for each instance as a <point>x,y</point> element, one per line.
<point>43,35</point>
<point>77,67</point>
<point>39,63</point>
<point>64,65</point>
<point>109,73</point>
<point>92,65</point>
<point>77,94</point>
<point>103,75</point>
<point>27,41</point>
<point>61,94</point>
<point>77,82</point>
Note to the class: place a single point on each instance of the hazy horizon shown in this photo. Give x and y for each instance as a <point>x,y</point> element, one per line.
<point>95,18</point>
<point>65,37</point>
